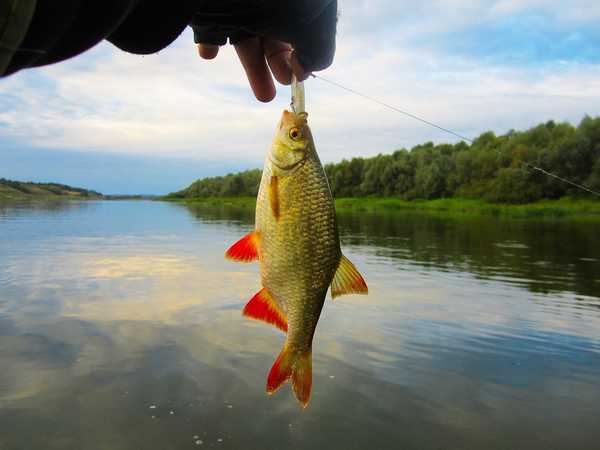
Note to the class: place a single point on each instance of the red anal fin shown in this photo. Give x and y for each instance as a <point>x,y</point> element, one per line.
<point>297,366</point>
<point>263,307</point>
<point>246,249</point>
<point>347,280</point>
<point>274,196</point>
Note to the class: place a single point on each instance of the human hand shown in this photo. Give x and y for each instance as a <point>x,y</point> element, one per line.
<point>272,38</point>
<point>263,59</point>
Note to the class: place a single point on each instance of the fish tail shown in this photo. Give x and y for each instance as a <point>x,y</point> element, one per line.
<point>294,364</point>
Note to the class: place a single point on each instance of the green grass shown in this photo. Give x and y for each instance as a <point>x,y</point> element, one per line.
<point>547,208</point>
<point>244,202</point>
<point>565,207</point>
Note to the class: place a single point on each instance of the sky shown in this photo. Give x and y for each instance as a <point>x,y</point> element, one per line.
<point>127,124</point>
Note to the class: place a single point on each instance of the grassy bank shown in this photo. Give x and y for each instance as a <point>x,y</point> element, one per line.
<point>548,208</point>
<point>22,190</point>
<point>243,202</point>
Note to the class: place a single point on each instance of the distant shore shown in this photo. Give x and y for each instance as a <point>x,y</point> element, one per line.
<point>11,190</point>
<point>564,207</point>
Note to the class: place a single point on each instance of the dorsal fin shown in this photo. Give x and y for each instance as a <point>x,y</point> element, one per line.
<point>347,280</point>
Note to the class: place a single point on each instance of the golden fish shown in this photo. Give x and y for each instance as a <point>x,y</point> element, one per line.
<point>297,245</point>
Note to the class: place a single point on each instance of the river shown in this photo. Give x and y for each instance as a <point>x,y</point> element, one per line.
<point>120,328</point>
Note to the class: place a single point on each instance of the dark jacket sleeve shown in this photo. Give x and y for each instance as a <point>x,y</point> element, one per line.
<point>57,30</point>
<point>61,29</point>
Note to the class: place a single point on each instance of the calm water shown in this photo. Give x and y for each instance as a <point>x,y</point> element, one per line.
<point>120,328</point>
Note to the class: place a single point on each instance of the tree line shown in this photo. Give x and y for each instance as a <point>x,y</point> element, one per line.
<point>493,168</point>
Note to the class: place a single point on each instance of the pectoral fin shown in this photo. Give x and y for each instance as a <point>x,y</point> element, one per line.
<point>347,280</point>
<point>246,249</point>
<point>274,196</point>
<point>264,307</point>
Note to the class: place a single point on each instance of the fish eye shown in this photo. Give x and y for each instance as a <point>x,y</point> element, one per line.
<point>295,133</point>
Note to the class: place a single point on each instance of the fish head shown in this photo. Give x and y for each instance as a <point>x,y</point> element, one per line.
<point>291,144</point>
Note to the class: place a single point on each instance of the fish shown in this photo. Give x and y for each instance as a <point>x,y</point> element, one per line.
<point>296,242</point>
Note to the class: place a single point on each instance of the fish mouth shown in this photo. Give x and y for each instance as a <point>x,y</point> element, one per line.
<point>284,167</point>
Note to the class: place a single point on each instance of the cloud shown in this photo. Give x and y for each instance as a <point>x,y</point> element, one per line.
<point>158,104</point>
<point>451,62</point>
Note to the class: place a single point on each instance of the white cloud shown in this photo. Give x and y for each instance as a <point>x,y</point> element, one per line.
<point>174,103</point>
<point>573,11</point>
<point>171,103</point>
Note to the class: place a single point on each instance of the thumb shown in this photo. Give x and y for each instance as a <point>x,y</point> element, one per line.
<point>314,48</point>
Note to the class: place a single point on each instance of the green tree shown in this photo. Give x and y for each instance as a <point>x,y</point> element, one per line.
<point>497,168</point>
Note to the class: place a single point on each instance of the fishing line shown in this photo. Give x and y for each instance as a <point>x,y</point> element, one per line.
<point>387,105</point>
<point>545,172</point>
<point>446,130</point>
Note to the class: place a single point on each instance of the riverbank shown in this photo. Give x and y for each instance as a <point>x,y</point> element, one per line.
<point>11,190</point>
<point>564,207</point>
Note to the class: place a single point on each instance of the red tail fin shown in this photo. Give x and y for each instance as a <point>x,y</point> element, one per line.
<point>297,366</point>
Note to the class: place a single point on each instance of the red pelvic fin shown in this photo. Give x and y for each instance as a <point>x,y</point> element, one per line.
<point>297,366</point>
<point>347,280</point>
<point>246,249</point>
<point>264,307</point>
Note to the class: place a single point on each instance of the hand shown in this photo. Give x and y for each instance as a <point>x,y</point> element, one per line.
<point>255,54</point>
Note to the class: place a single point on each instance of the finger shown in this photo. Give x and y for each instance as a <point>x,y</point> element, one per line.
<point>252,58</point>
<point>208,51</point>
<point>278,56</point>
<point>297,68</point>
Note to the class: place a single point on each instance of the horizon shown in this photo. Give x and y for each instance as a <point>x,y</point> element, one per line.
<point>222,174</point>
<point>495,66</point>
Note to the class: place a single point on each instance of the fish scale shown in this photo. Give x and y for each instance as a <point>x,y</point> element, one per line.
<point>298,275</point>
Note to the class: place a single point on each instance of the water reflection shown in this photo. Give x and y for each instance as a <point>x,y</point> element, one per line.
<point>544,256</point>
<point>120,328</point>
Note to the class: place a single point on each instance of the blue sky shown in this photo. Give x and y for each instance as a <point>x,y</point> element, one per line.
<point>122,123</point>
